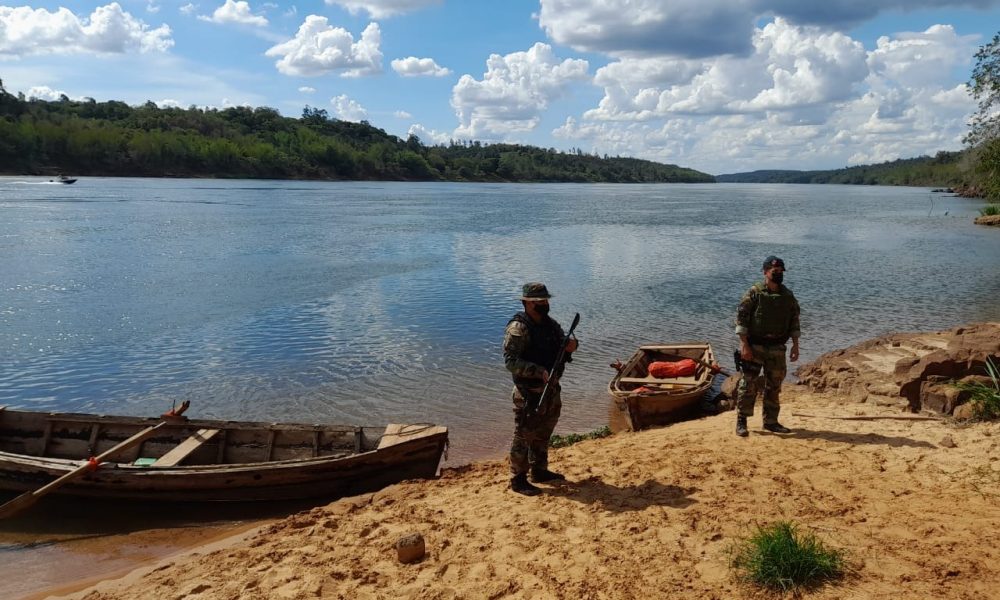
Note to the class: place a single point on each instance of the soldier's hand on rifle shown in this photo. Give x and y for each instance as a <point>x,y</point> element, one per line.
<point>745,352</point>
<point>571,345</point>
<point>545,376</point>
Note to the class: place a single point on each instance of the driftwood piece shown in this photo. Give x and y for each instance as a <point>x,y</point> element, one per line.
<point>870,417</point>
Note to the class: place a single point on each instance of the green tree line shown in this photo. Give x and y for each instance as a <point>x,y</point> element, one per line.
<point>112,138</point>
<point>946,169</point>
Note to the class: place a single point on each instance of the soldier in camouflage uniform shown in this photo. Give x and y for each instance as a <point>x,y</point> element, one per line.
<point>767,317</point>
<point>530,347</point>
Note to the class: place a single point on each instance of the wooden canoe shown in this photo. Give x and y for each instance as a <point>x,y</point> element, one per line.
<point>210,460</point>
<point>644,401</point>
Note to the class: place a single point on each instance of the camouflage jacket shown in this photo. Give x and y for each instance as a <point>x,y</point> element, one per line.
<point>516,344</point>
<point>755,301</point>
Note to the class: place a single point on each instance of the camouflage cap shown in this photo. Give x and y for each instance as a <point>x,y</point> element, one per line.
<point>535,291</point>
<point>773,261</point>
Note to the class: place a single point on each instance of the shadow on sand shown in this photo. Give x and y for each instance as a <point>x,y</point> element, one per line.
<point>623,499</point>
<point>854,438</point>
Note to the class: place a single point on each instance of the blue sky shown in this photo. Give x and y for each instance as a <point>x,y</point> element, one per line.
<point>717,85</point>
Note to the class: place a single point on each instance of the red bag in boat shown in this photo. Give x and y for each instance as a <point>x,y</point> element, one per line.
<point>681,368</point>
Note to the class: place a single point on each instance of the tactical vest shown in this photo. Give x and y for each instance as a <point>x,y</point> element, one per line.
<point>772,320</point>
<point>543,344</point>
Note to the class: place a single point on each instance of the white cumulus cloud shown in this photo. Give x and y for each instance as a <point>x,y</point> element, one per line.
<point>44,92</point>
<point>805,97</point>
<point>108,30</point>
<point>235,12</point>
<point>319,48</point>
<point>379,9</point>
<point>702,28</point>
<point>348,110</point>
<point>188,9</point>
<point>412,66</point>
<point>402,114</point>
<point>429,137</point>
<point>307,90</point>
<point>513,92</point>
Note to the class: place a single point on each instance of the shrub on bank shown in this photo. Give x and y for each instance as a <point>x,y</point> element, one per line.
<point>985,397</point>
<point>989,210</point>
<point>781,558</point>
<point>561,441</point>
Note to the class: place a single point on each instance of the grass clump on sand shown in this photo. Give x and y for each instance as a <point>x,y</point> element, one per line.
<point>989,210</point>
<point>781,558</point>
<point>985,398</point>
<point>561,441</point>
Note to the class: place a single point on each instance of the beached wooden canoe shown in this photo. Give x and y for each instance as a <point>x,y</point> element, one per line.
<point>644,401</point>
<point>209,460</point>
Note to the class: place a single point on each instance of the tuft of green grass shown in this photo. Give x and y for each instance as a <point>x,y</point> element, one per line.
<point>990,209</point>
<point>985,398</point>
<point>781,558</point>
<point>561,441</point>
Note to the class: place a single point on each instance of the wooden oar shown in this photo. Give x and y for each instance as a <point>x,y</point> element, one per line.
<point>711,367</point>
<point>28,498</point>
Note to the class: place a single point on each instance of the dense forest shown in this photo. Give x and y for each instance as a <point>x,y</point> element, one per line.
<point>113,138</point>
<point>945,169</point>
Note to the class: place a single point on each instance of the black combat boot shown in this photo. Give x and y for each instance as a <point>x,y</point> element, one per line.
<point>741,426</point>
<point>776,428</point>
<point>519,484</point>
<point>542,475</point>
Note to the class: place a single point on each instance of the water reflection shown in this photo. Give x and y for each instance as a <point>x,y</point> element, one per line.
<point>378,302</point>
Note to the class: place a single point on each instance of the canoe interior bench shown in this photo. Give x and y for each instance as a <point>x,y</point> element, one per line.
<point>184,449</point>
<point>674,380</point>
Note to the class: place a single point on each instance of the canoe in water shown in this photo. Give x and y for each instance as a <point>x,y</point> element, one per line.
<point>212,460</point>
<point>646,401</point>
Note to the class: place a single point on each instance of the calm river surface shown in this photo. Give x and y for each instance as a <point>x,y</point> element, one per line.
<point>370,302</point>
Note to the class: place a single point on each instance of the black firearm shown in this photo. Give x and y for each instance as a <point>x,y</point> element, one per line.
<point>747,367</point>
<point>555,372</point>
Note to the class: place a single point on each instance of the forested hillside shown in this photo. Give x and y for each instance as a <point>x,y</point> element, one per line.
<point>949,169</point>
<point>113,138</point>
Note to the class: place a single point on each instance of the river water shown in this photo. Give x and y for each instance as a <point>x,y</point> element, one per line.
<point>370,303</point>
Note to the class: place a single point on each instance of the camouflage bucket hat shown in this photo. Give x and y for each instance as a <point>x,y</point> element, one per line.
<point>535,291</point>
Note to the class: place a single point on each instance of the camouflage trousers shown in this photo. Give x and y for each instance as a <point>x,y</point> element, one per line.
<point>531,434</point>
<point>772,374</point>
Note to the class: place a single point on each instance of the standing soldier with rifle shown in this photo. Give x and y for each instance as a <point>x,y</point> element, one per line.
<point>535,351</point>
<point>767,317</point>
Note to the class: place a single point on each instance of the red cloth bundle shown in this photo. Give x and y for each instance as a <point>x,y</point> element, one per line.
<point>681,368</point>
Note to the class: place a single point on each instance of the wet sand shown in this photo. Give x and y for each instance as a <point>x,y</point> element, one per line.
<point>62,545</point>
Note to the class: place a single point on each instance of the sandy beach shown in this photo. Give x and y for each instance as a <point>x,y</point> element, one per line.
<point>643,515</point>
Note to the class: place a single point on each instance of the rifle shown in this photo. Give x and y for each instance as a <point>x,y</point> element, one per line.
<point>747,367</point>
<point>555,372</point>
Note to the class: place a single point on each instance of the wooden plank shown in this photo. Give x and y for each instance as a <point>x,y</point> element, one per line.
<point>92,443</point>
<point>672,380</point>
<point>359,437</point>
<point>316,435</point>
<point>220,458</point>
<point>185,448</point>
<point>46,436</point>
<point>271,434</point>
<point>397,434</point>
<point>676,347</point>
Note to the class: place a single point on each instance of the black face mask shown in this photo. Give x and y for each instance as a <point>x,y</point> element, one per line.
<point>542,309</point>
<point>778,276</point>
